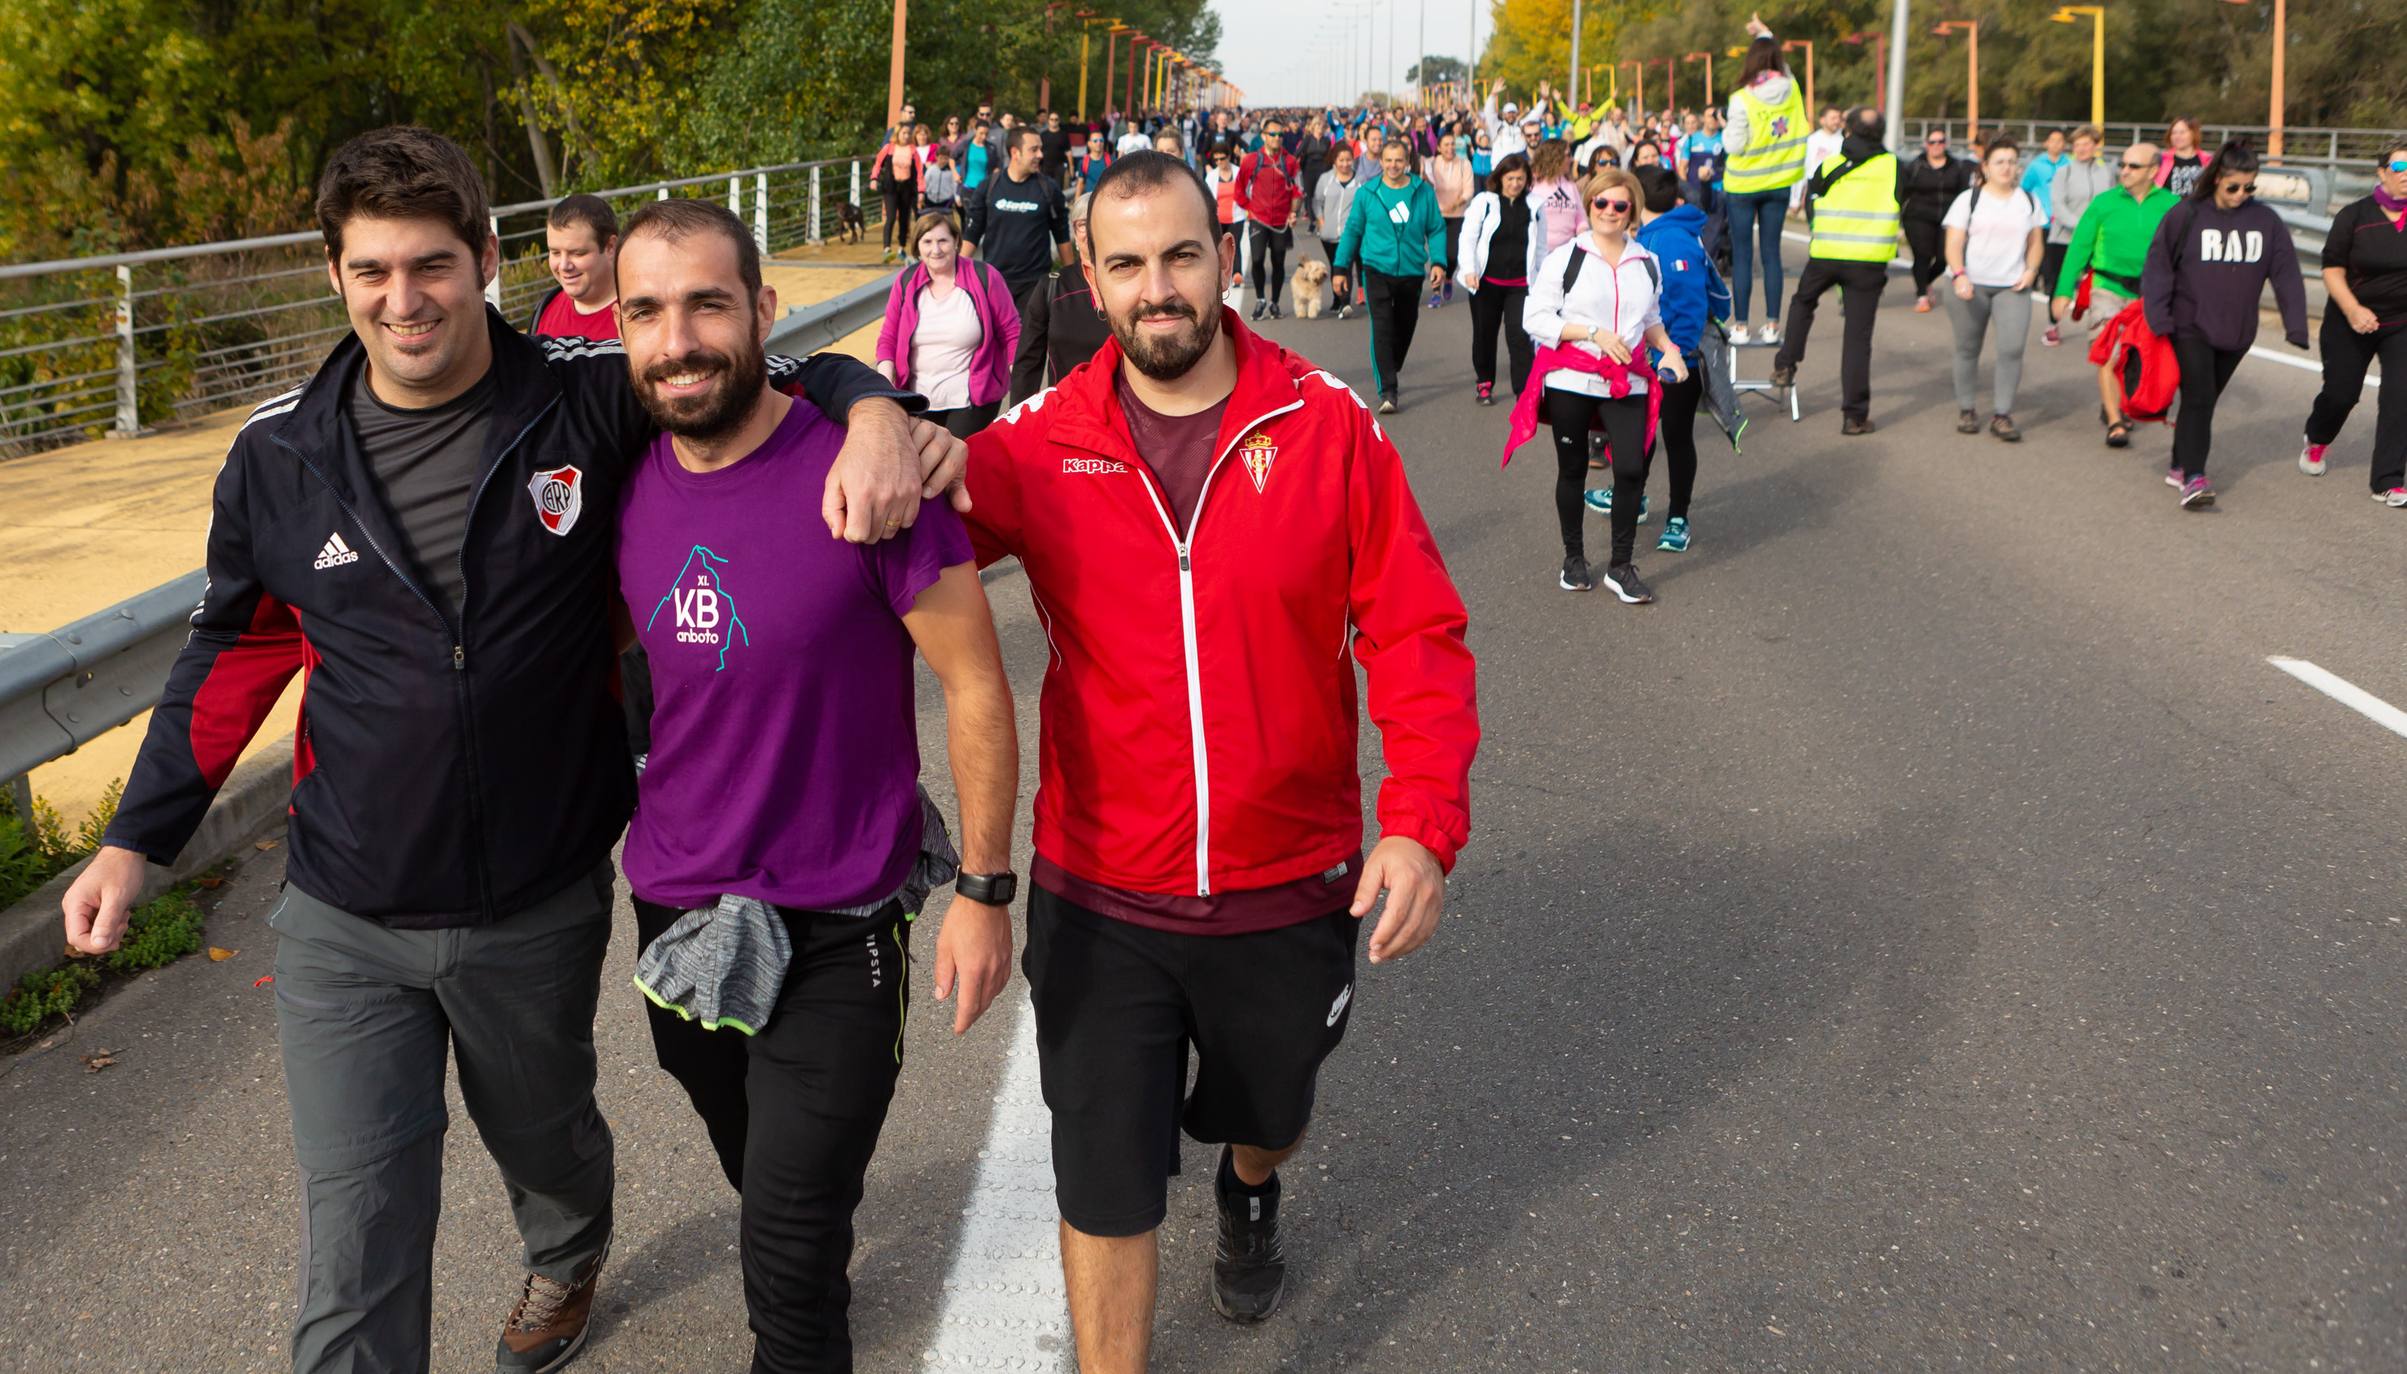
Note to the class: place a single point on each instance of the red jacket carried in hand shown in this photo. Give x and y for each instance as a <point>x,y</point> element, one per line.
<point>1199,711</point>
<point>2143,361</point>
<point>1266,188</point>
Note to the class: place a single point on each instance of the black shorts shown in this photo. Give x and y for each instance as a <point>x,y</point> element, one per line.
<point>1117,1008</point>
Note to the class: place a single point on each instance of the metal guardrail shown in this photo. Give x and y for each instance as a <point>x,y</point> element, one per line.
<point>2331,148</point>
<point>62,690</point>
<point>104,344</point>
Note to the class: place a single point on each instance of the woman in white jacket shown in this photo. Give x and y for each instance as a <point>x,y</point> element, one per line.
<point>1597,297</point>
<point>1492,267</point>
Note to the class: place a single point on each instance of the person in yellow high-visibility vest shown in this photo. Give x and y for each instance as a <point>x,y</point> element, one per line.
<point>1764,142</point>
<point>1855,222</point>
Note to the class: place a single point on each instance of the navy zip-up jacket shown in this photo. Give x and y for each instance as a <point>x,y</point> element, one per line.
<point>447,771</point>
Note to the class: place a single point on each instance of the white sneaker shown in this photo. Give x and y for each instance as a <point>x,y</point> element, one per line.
<point>1770,334</point>
<point>2310,458</point>
<point>2394,498</point>
<point>1738,334</point>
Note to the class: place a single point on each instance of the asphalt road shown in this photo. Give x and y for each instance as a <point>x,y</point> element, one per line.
<point>1931,937</point>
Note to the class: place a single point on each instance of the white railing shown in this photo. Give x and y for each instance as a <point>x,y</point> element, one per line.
<point>108,344</point>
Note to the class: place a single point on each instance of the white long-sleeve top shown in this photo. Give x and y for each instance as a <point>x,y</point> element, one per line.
<point>1621,300</point>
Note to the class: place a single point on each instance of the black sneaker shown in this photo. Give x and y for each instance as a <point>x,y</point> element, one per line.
<point>2003,427</point>
<point>1275,312</point>
<point>1259,307</point>
<point>1967,422</point>
<point>1851,425</point>
<point>1623,579</point>
<point>1387,403</point>
<point>1783,374</point>
<point>1575,574</point>
<point>1249,1271</point>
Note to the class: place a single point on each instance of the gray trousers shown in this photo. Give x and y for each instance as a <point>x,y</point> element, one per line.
<point>367,1016</point>
<point>2012,311</point>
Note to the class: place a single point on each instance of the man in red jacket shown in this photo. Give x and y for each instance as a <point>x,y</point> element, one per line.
<point>1208,523</point>
<point>1268,185</point>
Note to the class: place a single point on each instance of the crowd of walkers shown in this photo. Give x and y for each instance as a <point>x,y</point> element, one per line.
<point>1201,881</point>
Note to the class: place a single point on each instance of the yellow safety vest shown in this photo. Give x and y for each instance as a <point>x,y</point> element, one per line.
<point>1856,220</point>
<point>1774,158</point>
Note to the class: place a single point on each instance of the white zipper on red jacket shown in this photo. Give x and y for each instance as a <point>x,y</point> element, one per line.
<point>1186,617</point>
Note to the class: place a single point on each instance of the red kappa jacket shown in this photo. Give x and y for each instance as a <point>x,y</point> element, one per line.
<point>1199,714</point>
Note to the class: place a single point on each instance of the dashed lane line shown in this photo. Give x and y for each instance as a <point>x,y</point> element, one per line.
<point>2345,692</point>
<point>1004,1306</point>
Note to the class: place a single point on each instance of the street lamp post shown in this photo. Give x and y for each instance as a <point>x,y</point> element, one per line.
<point>2281,42</point>
<point>1972,72</point>
<point>1812,109</point>
<point>1111,48</point>
<point>1641,74</point>
<point>1879,39</point>
<point>1086,38</point>
<point>894,68</point>
<point>1671,83</point>
<point>1129,102</point>
<point>1708,59</point>
<point>2071,14</point>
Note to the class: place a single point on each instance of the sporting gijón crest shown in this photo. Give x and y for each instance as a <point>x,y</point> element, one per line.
<point>559,496</point>
<point>1257,453</point>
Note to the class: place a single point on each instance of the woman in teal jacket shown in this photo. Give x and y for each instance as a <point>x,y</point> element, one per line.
<point>1396,239</point>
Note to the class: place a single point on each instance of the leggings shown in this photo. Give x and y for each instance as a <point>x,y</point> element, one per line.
<point>2345,355</point>
<point>2011,309</point>
<point>1270,260</point>
<point>1928,239</point>
<point>963,421</point>
<point>1454,240</point>
<point>1678,427</point>
<point>1571,413</point>
<point>1755,227</point>
<point>2205,371</point>
<point>1395,304</point>
<point>793,1114</point>
<point>1329,252</point>
<point>900,197</point>
<point>1494,305</point>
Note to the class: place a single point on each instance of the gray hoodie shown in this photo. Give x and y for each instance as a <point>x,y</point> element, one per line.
<point>1333,200</point>
<point>2077,183</point>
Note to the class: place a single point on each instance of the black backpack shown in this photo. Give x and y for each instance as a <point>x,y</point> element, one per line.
<point>1571,271</point>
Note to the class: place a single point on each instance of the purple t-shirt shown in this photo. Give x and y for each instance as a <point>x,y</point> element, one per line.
<point>785,742</point>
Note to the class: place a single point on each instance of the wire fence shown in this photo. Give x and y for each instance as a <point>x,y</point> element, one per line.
<point>115,344</point>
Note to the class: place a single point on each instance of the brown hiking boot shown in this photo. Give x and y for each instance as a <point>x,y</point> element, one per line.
<point>547,1327</point>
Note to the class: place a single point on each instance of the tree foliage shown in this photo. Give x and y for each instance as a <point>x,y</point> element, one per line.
<point>2163,57</point>
<point>139,123</point>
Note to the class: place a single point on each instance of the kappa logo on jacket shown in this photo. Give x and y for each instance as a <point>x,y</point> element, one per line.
<point>1092,466</point>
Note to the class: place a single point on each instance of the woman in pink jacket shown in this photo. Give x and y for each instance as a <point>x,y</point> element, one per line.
<point>951,329</point>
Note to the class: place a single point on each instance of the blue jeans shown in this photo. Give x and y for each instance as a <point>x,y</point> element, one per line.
<point>1755,221</point>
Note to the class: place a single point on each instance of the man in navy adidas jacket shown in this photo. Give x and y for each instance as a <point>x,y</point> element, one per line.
<point>425,531</point>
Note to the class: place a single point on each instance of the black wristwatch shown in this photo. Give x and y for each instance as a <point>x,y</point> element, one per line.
<point>994,889</point>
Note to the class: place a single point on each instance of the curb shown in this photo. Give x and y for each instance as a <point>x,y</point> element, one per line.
<point>253,799</point>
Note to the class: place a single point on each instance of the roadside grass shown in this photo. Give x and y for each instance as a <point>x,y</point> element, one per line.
<point>35,849</point>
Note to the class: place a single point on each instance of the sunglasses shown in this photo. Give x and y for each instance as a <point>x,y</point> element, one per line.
<point>1934,142</point>
<point>2248,190</point>
<point>2396,164</point>
<point>1617,204</point>
<point>2135,166</point>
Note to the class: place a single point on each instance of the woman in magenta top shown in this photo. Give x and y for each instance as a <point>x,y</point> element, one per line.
<point>951,329</point>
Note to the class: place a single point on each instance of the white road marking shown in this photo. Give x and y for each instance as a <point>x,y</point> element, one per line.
<point>1004,1307</point>
<point>2345,692</point>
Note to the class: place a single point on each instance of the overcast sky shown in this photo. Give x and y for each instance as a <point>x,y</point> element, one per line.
<point>1293,52</point>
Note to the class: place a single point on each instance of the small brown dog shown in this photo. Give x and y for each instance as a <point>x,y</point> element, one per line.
<point>1306,283</point>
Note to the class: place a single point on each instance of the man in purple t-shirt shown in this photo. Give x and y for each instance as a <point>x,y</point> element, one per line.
<point>785,760</point>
